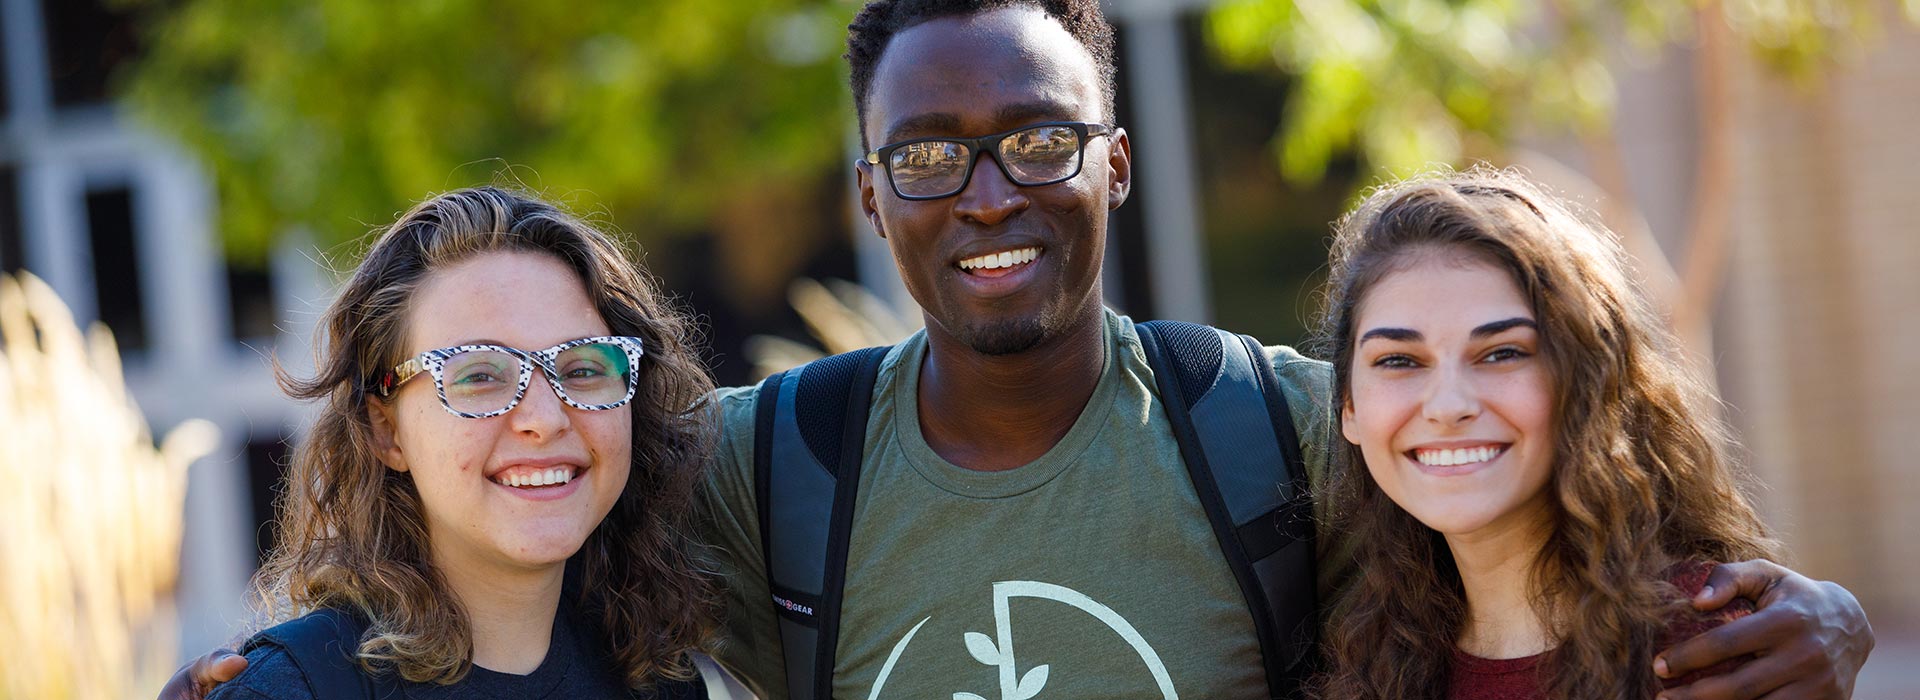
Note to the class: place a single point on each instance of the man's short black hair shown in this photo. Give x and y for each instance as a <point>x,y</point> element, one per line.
<point>874,27</point>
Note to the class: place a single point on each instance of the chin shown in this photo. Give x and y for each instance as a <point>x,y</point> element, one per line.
<point>1457,518</point>
<point>543,550</point>
<point>1010,335</point>
<point>1454,524</point>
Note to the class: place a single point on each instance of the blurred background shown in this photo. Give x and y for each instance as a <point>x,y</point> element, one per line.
<point>188,177</point>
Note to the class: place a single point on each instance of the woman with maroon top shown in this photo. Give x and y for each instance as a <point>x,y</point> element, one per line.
<point>1545,482</point>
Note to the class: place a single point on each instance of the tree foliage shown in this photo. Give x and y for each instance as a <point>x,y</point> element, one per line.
<point>1409,83</point>
<point>332,115</point>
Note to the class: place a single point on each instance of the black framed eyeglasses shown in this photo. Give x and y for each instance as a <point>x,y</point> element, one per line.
<point>483,381</point>
<point>1030,156</point>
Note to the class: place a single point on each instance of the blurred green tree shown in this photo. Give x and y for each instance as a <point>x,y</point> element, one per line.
<point>668,115</point>
<point>1405,84</point>
<point>1412,82</point>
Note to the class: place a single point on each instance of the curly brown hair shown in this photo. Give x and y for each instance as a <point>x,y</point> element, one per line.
<point>353,534</point>
<point>1642,479</point>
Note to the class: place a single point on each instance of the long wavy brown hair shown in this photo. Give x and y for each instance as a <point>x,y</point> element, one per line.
<point>352,531</point>
<point>1642,479</point>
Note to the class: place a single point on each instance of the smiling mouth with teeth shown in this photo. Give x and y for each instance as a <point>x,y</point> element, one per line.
<point>537,478</point>
<point>1457,457</point>
<point>999,262</point>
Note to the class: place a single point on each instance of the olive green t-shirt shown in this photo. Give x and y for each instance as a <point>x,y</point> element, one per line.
<point>1091,572</point>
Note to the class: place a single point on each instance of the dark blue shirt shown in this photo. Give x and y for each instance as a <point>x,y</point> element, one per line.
<point>573,669</point>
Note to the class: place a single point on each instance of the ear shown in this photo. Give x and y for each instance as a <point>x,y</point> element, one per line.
<point>385,445</point>
<point>1346,421</point>
<point>1119,168</point>
<point>863,173</point>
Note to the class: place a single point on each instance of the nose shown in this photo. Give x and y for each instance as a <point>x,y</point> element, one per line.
<point>1451,398</point>
<point>989,197</point>
<point>540,415</point>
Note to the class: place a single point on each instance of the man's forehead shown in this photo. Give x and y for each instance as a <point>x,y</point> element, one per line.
<point>975,72</point>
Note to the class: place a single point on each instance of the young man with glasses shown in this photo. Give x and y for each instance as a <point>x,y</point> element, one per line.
<point>1024,523</point>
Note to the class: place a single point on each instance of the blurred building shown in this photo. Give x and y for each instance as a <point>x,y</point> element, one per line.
<point>1822,322</point>
<point>1817,323</point>
<point>1817,326</point>
<point>119,222</point>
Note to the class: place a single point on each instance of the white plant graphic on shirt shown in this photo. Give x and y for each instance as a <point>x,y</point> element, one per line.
<point>987,653</point>
<point>999,652</point>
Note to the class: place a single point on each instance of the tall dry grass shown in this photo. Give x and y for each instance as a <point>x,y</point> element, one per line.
<point>90,511</point>
<point>842,316</point>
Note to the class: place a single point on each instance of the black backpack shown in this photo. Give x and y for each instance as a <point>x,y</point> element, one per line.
<point>1228,415</point>
<point>321,645</point>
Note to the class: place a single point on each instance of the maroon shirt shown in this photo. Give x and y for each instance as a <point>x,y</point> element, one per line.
<point>1475,678</point>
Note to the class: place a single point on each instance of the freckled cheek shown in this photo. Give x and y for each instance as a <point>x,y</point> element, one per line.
<point>609,439</point>
<point>1382,409</point>
<point>438,442</point>
<point>1525,401</point>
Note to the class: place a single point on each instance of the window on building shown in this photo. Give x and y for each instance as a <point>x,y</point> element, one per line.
<point>250,299</point>
<point>13,254</point>
<point>87,40</point>
<point>267,459</point>
<point>116,265</point>
<point>6,100</point>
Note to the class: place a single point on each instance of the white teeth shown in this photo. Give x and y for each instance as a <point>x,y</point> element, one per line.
<point>1001,259</point>
<point>545,477</point>
<point>1454,457</point>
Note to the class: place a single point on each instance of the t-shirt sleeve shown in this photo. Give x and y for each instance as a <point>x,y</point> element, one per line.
<point>270,675</point>
<point>1308,386</point>
<point>750,644</point>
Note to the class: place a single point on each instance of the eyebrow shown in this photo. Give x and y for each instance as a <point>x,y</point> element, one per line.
<point>948,123</point>
<point>929,123</point>
<point>1042,110</point>
<point>1498,327</point>
<point>1409,335</point>
<point>480,341</point>
<point>1404,335</point>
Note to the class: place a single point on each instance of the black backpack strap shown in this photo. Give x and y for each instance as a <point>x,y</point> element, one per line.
<point>809,438</point>
<point>1237,437</point>
<point>321,644</point>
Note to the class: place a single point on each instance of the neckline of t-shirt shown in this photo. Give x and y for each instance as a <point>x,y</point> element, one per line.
<point>562,652</point>
<point>969,483</point>
<point>1481,665</point>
